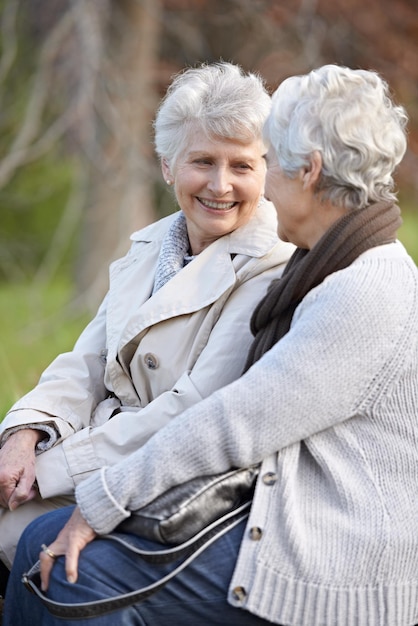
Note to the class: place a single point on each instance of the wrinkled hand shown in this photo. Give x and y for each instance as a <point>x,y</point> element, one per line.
<point>71,540</point>
<point>17,468</point>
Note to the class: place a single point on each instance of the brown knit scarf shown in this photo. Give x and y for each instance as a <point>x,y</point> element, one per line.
<point>348,237</point>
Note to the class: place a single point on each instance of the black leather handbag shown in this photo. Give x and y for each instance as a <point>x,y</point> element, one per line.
<point>181,512</point>
<point>188,517</point>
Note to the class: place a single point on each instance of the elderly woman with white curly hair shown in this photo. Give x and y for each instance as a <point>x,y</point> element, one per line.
<point>327,406</point>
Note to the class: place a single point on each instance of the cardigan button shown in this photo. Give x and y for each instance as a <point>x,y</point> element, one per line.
<point>239,594</point>
<point>255,533</point>
<point>269,478</point>
<point>151,361</point>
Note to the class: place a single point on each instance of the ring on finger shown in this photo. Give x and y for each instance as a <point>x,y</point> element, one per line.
<point>49,552</point>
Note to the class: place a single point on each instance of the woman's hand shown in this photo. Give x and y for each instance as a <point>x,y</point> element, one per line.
<point>71,540</point>
<point>17,468</point>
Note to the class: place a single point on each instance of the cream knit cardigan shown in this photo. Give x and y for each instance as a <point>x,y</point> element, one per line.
<point>333,411</point>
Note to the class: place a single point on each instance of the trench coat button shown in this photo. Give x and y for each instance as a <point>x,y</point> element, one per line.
<point>239,594</point>
<point>269,478</point>
<point>151,361</point>
<point>255,533</point>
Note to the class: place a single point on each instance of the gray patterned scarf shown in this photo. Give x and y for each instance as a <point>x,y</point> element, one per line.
<point>174,252</point>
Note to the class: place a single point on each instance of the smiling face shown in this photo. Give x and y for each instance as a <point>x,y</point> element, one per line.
<point>218,184</point>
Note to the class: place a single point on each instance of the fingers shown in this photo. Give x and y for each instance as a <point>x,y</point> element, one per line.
<point>71,563</point>
<point>47,563</point>
<point>5,495</point>
<point>8,482</point>
<point>79,535</point>
<point>49,554</point>
<point>71,540</point>
<point>17,471</point>
<point>23,492</point>
<point>47,558</point>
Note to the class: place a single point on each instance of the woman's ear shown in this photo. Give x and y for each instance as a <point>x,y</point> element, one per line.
<point>165,168</point>
<point>312,173</point>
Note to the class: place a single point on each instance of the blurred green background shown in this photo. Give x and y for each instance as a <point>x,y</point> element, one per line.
<point>79,87</point>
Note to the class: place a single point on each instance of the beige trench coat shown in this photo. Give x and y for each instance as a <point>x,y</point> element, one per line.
<point>143,360</point>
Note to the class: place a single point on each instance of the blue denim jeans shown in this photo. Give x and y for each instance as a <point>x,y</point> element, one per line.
<point>197,596</point>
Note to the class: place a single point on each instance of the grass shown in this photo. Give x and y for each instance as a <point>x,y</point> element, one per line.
<point>36,325</point>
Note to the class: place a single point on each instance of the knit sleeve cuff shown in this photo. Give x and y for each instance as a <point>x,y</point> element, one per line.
<point>97,504</point>
<point>49,429</point>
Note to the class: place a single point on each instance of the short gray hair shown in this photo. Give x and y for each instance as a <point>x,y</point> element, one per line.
<point>219,99</point>
<point>350,118</point>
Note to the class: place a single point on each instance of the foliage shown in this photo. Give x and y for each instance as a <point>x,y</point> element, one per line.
<point>37,325</point>
<point>408,233</point>
<point>80,82</point>
<point>37,170</point>
<point>31,206</point>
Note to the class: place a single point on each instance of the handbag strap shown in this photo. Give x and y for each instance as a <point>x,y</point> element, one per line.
<point>191,549</point>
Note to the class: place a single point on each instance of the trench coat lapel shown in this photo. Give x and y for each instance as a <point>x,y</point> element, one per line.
<point>200,283</point>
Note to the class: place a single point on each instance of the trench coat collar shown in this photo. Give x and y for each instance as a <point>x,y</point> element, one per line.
<point>205,279</point>
<point>254,239</point>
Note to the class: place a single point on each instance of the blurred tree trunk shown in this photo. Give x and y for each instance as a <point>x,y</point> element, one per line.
<point>121,163</point>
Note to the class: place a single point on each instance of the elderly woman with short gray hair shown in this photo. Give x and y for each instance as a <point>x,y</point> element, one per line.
<point>175,324</point>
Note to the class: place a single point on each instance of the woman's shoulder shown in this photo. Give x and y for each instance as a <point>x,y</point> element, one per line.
<point>388,264</point>
<point>384,278</point>
<point>394,250</point>
<point>384,263</point>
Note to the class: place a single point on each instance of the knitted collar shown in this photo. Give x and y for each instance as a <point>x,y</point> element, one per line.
<point>344,241</point>
<point>174,249</point>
